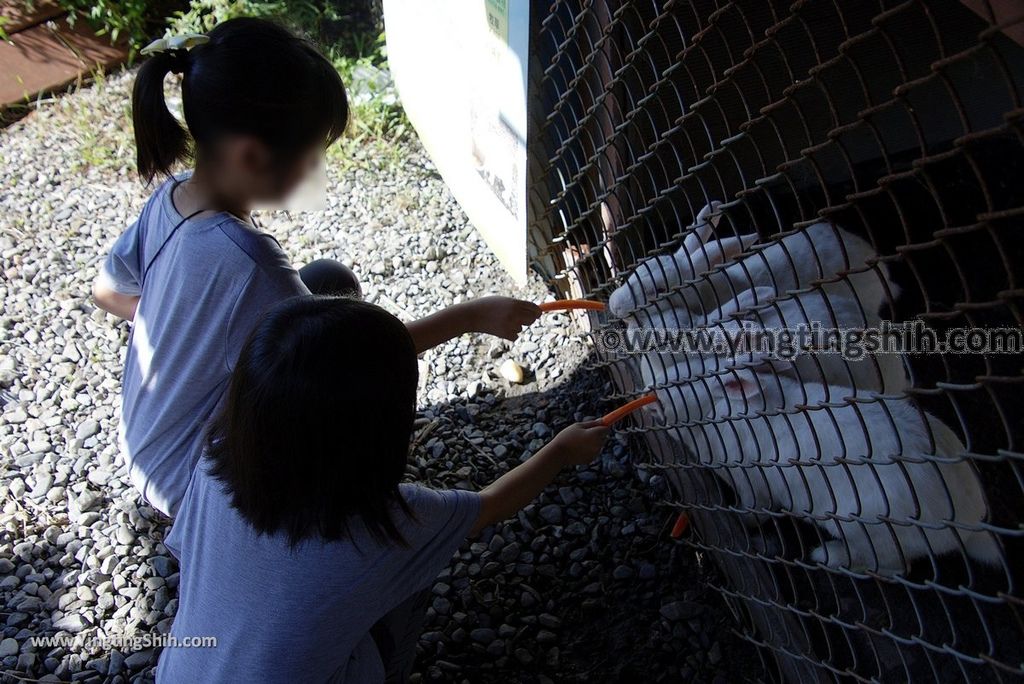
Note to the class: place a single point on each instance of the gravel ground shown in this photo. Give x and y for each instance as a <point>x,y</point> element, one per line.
<point>583,585</point>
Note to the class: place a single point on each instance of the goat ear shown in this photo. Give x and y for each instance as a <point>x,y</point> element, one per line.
<point>703,225</point>
<point>700,252</point>
<point>719,251</point>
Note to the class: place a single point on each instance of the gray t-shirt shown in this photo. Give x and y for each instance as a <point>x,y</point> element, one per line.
<point>203,288</point>
<point>302,614</point>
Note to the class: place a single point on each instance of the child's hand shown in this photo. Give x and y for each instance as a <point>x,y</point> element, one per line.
<point>581,443</point>
<point>501,316</point>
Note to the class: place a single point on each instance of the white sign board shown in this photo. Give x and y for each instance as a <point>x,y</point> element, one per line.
<point>460,67</point>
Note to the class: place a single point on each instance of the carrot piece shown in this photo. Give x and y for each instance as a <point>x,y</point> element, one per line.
<point>623,411</point>
<point>682,524</point>
<point>566,304</point>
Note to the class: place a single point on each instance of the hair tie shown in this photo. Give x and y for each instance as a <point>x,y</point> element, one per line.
<point>178,47</point>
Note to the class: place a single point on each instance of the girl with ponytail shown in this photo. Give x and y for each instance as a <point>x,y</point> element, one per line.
<point>194,272</point>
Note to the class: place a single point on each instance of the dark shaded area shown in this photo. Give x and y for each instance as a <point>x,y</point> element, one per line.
<point>899,122</point>
<point>586,583</point>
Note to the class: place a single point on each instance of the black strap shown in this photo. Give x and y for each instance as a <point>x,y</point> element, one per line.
<point>174,230</point>
<point>169,236</point>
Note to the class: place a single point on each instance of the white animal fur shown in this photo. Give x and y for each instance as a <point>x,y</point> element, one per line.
<point>865,472</point>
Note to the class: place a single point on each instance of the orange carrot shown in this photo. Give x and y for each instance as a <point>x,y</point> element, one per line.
<point>623,411</point>
<point>566,304</point>
<point>682,524</point>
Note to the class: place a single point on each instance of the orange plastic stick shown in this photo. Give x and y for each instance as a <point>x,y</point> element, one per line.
<point>682,524</point>
<point>623,411</point>
<point>566,304</point>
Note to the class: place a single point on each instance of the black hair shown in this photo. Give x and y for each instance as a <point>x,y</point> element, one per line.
<point>318,419</point>
<point>253,77</point>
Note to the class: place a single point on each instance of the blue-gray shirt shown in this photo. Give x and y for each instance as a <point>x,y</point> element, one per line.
<point>202,289</point>
<point>302,614</point>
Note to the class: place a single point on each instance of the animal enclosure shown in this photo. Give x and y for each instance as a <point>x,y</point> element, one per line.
<point>739,168</point>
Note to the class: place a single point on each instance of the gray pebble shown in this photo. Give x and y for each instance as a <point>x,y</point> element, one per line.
<point>551,514</point>
<point>680,610</point>
<point>87,429</point>
<point>483,635</point>
<point>8,647</point>
<point>73,623</point>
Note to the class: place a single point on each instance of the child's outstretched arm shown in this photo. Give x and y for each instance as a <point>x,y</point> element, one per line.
<point>577,444</point>
<point>112,301</point>
<point>500,316</point>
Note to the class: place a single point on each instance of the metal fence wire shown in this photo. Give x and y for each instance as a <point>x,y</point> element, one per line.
<point>758,165</point>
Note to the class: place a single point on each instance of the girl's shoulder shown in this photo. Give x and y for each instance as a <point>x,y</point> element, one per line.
<point>436,502</point>
<point>262,248</point>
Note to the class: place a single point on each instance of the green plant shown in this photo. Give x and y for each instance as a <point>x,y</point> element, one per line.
<point>131,21</point>
<point>202,15</point>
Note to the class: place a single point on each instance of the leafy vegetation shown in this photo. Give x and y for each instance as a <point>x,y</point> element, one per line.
<point>348,31</point>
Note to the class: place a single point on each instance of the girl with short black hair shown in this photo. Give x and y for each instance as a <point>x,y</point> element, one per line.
<point>301,550</point>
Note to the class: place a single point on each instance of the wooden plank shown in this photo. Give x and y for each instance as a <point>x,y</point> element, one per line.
<point>18,16</point>
<point>47,57</point>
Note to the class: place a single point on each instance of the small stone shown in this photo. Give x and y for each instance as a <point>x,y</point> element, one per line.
<point>541,430</point>
<point>27,662</point>
<point>8,647</point>
<point>42,485</point>
<point>116,662</point>
<point>551,514</point>
<point>72,622</point>
<point>162,566</point>
<point>512,371</point>
<point>550,621</point>
<point>510,553</point>
<point>483,635</point>
<point>98,664</point>
<point>138,660</point>
<point>87,429</point>
<point>622,572</point>
<point>546,637</point>
<point>680,610</point>
<point>39,446</point>
<point>567,495</point>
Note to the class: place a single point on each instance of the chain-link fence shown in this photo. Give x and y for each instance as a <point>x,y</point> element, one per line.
<point>782,177</point>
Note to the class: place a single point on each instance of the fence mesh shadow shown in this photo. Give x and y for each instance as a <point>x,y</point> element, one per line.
<point>728,174</point>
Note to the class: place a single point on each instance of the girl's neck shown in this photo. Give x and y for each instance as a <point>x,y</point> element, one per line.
<point>201,193</point>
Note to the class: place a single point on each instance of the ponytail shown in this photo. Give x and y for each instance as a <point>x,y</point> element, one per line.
<point>160,140</point>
